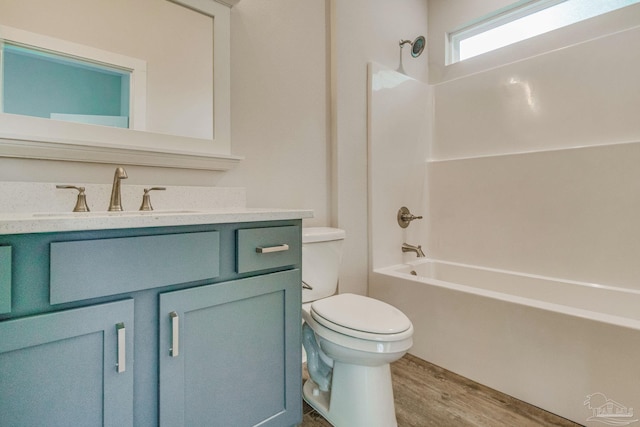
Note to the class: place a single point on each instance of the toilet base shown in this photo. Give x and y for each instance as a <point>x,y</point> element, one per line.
<point>360,396</point>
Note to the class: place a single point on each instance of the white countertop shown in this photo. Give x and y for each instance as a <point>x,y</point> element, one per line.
<point>23,223</point>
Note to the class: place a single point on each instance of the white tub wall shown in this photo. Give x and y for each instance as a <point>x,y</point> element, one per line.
<point>362,31</point>
<point>569,213</point>
<point>445,15</point>
<point>548,359</point>
<point>399,117</point>
<point>581,95</point>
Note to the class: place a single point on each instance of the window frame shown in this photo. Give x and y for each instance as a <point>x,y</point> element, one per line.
<point>496,19</point>
<point>578,11</point>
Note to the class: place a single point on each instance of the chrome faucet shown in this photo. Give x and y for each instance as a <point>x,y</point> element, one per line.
<point>116,204</point>
<point>410,248</point>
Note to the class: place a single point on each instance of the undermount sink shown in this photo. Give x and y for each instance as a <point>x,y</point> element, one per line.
<point>114,213</point>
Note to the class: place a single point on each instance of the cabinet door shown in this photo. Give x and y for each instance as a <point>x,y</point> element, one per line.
<point>61,369</point>
<point>230,353</point>
<point>5,279</point>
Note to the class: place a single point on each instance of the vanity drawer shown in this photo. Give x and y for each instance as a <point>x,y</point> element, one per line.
<point>5,279</point>
<point>265,248</point>
<point>94,268</point>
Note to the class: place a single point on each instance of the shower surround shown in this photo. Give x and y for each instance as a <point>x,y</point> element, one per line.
<point>532,173</point>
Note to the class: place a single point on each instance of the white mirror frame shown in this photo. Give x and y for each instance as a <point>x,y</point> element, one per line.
<point>39,138</point>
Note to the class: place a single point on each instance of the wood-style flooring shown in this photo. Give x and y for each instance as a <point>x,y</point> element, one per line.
<point>427,395</point>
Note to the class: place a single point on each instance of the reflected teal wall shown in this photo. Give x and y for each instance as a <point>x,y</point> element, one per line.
<point>36,86</point>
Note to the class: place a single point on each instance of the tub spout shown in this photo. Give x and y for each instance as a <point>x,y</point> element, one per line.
<point>410,248</point>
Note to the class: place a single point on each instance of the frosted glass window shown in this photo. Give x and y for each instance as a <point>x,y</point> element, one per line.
<point>523,20</point>
<point>46,84</point>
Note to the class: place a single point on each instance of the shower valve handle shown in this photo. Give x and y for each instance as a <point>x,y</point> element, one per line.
<point>409,217</point>
<point>405,217</point>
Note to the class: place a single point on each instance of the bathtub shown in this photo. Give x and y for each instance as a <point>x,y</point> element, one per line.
<point>568,347</point>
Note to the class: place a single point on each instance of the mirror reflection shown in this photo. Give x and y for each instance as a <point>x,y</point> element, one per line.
<point>45,84</point>
<point>175,42</point>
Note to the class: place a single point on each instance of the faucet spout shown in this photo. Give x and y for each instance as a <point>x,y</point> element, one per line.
<point>410,248</point>
<point>115,204</point>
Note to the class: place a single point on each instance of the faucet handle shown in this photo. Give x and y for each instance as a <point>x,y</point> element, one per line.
<point>81,203</point>
<point>405,217</point>
<point>146,198</point>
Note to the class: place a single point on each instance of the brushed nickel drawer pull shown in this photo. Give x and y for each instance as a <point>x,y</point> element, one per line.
<point>174,351</point>
<point>270,249</point>
<point>122,355</point>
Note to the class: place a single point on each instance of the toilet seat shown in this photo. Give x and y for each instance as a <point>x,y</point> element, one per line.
<point>362,317</point>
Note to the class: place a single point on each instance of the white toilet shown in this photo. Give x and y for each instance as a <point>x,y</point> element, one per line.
<point>349,340</point>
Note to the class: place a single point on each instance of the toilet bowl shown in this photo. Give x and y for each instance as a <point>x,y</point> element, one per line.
<point>350,340</point>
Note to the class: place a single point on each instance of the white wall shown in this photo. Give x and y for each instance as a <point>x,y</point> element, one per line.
<point>279,113</point>
<point>363,31</point>
<point>535,161</point>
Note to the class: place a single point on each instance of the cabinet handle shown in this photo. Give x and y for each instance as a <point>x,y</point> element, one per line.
<point>122,352</point>
<point>174,351</point>
<point>269,249</point>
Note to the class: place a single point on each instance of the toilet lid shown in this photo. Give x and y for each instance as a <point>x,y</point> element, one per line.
<point>360,313</point>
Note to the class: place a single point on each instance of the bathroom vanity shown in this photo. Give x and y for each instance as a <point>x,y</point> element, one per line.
<point>175,319</point>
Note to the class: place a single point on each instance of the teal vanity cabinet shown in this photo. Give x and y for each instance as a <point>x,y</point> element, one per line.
<point>195,325</point>
<point>68,368</point>
<point>242,329</point>
<point>5,279</point>
<point>247,329</point>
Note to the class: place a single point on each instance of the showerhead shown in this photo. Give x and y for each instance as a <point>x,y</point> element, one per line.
<point>417,46</point>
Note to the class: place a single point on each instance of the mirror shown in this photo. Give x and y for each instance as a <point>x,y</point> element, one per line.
<point>186,98</point>
<point>46,82</point>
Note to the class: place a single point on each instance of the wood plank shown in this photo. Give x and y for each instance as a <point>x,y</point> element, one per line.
<point>427,395</point>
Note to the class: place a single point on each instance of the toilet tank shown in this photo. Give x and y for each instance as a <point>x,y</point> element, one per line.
<point>321,256</point>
